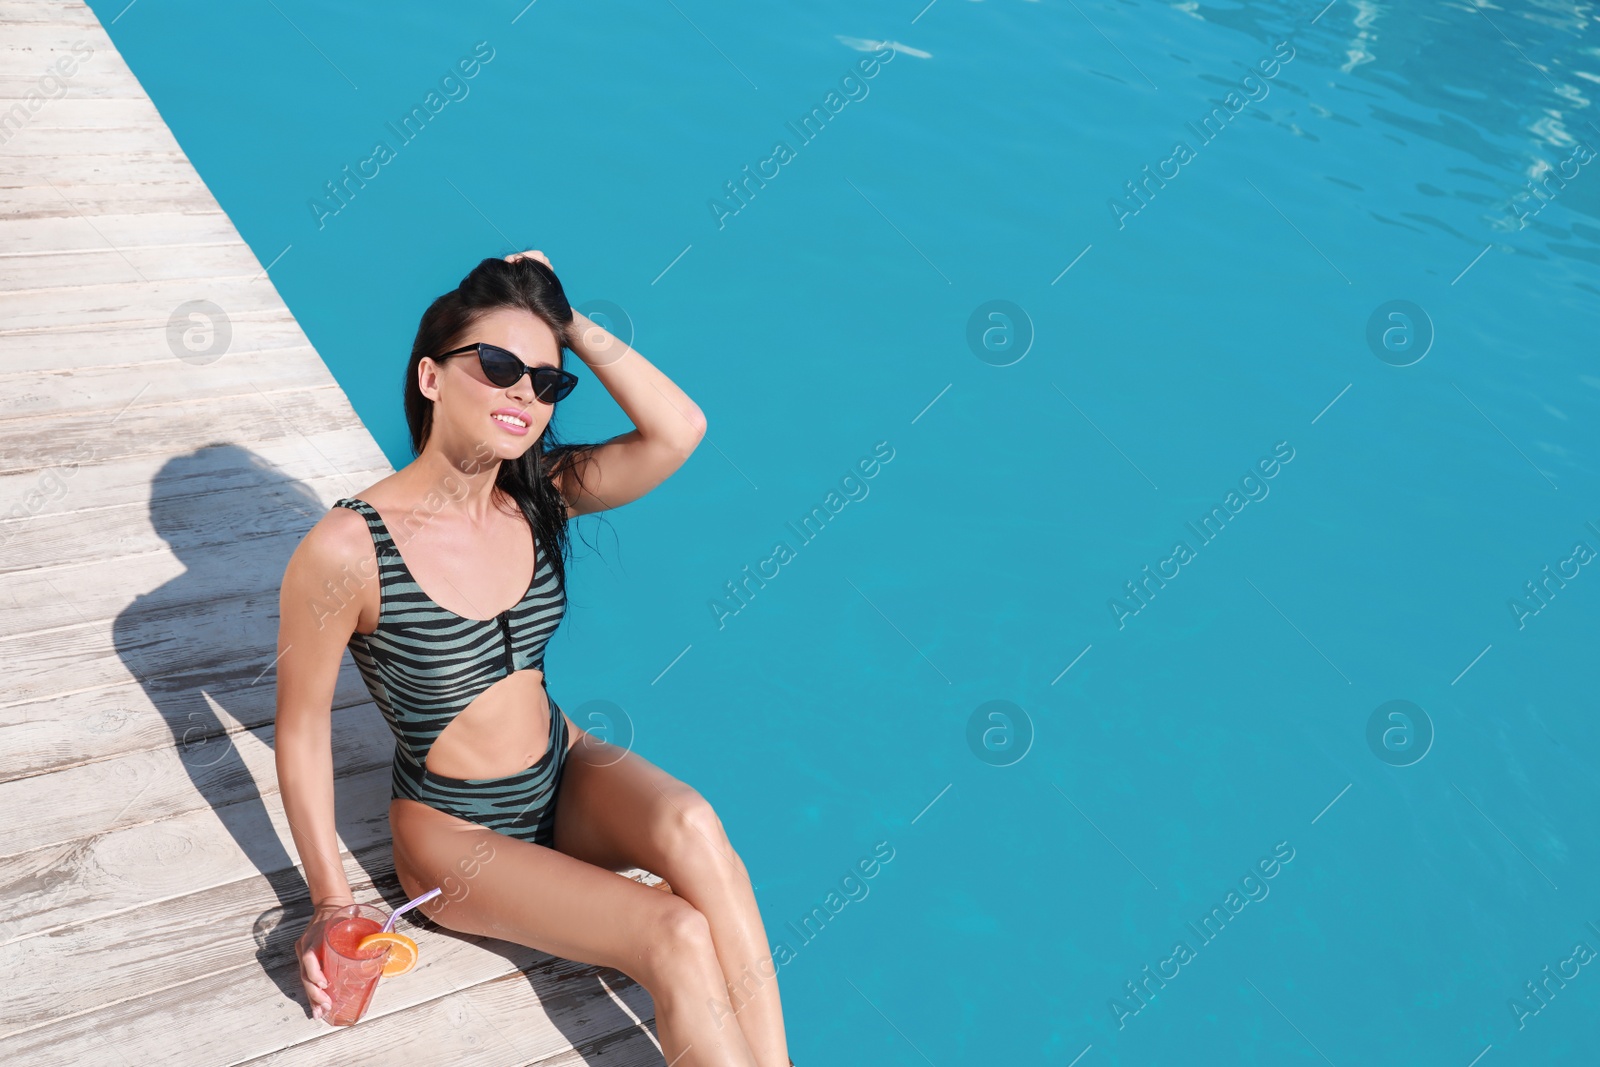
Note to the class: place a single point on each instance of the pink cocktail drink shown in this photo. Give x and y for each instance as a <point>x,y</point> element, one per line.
<point>352,974</point>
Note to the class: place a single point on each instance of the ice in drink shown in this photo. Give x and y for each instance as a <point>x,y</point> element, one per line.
<point>352,974</point>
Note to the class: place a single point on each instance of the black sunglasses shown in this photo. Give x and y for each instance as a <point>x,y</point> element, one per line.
<point>505,369</point>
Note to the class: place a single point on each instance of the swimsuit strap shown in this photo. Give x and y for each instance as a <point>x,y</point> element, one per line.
<point>380,533</point>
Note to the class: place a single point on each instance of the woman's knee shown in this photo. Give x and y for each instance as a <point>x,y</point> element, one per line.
<point>697,832</point>
<point>676,946</point>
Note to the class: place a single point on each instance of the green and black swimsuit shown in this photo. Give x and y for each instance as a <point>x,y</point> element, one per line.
<point>424,664</point>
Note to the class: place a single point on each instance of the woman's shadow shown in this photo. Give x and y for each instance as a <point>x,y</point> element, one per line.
<point>203,646</point>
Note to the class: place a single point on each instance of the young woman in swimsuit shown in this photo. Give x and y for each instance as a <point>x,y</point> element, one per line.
<point>497,796</point>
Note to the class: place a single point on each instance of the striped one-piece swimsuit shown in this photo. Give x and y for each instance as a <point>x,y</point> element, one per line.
<point>424,664</point>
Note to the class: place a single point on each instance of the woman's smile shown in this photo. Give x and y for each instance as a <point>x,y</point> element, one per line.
<point>511,420</point>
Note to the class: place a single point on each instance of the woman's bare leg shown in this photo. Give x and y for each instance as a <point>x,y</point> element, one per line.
<point>502,887</point>
<point>615,809</point>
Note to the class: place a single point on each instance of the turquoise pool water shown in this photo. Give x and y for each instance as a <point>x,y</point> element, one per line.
<point>1329,311</point>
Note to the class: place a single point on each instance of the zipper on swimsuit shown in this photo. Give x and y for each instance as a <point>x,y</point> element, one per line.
<point>505,633</point>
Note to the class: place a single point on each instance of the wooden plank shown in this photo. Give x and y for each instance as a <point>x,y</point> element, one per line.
<point>338,448</point>
<point>32,57</point>
<point>43,202</point>
<point>223,646</point>
<point>637,1046</point>
<point>75,164</point>
<point>138,865</point>
<point>89,494</point>
<point>172,428</point>
<point>34,495</point>
<point>130,988</point>
<point>67,537</point>
<point>35,33</point>
<point>46,141</point>
<point>219,632</point>
<point>18,82</point>
<point>78,580</point>
<point>219,530</point>
<point>103,345</point>
<point>47,270</point>
<point>134,299</point>
<point>69,393</point>
<point>94,113</point>
<point>243,527</point>
<point>112,232</point>
<point>47,737</point>
<point>47,11</point>
<point>42,38</point>
<point>108,709</point>
<point>190,772</point>
<point>51,509</point>
<point>146,341</point>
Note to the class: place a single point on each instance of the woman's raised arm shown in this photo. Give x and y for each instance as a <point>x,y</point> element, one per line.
<point>668,425</point>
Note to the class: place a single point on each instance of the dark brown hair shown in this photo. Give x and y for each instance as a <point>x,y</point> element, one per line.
<point>528,285</point>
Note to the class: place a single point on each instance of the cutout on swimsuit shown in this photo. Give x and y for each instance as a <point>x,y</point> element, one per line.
<point>424,664</point>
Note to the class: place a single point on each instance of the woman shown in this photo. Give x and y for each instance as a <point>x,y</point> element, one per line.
<point>497,796</point>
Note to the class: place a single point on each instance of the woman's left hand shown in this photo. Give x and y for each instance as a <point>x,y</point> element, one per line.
<point>532,254</point>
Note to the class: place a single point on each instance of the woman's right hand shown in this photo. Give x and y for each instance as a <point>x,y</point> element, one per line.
<point>305,950</point>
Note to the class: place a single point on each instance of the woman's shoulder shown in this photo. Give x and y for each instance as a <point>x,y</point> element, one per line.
<point>387,491</point>
<point>340,532</point>
<point>338,544</point>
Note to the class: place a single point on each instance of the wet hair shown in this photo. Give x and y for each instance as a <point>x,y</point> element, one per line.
<point>527,285</point>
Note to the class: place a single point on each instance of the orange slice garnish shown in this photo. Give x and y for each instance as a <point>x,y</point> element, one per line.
<point>402,951</point>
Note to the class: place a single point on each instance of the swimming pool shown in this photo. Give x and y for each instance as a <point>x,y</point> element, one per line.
<point>1200,669</point>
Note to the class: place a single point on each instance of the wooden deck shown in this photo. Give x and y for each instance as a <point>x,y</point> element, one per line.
<point>150,496</point>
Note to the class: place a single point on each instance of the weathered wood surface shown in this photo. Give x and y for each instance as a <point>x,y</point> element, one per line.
<point>149,893</point>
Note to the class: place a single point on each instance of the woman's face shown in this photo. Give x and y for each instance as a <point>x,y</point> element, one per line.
<point>473,415</point>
